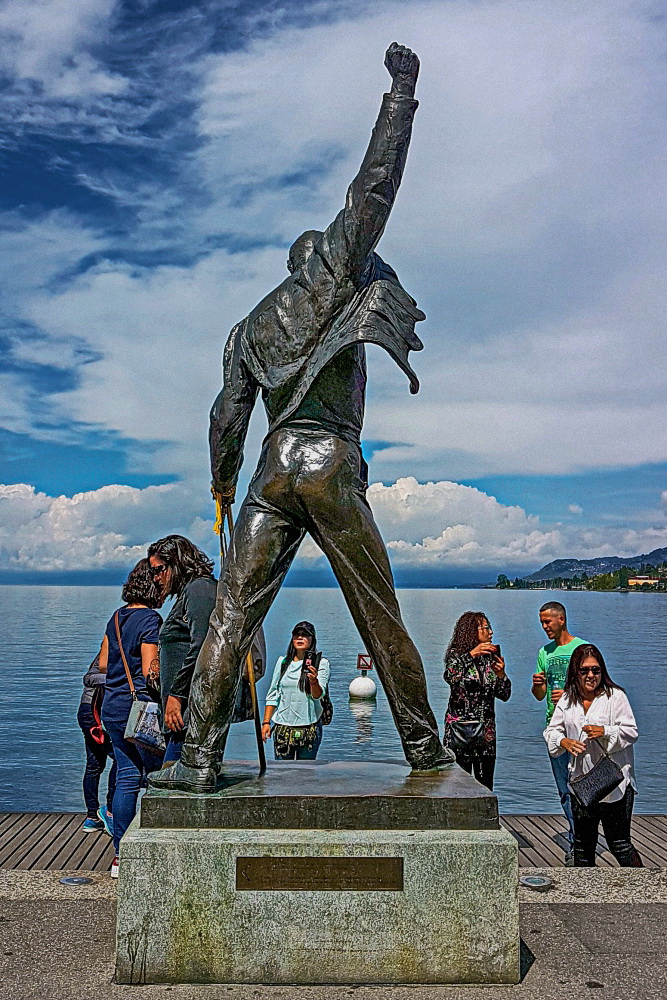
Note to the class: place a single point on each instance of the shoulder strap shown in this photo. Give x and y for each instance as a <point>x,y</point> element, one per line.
<point>595,740</point>
<point>122,653</point>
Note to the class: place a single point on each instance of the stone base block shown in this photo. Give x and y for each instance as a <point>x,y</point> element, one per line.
<point>318,906</point>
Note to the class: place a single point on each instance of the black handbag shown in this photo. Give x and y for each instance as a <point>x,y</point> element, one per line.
<point>466,735</point>
<point>325,701</point>
<point>596,784</point>
<point>327,708</point>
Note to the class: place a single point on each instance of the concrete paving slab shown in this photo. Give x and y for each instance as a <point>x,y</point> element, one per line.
<point>570,885</point>
<point>58,944</point>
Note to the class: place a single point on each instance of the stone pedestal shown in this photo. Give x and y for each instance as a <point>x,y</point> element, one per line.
<point>302,877</point>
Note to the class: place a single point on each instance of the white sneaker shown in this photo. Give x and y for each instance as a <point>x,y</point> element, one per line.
<point>114,867</point>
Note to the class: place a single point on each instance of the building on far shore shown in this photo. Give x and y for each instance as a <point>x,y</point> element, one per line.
<point>639,581</point>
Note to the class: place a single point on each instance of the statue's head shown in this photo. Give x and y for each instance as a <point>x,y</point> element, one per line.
<point>301,249</point>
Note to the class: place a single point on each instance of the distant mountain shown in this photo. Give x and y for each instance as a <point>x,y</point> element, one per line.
<point>567,568</point>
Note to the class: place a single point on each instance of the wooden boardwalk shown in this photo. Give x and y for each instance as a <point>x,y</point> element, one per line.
<point>56,842</point>
<point>542,840</point>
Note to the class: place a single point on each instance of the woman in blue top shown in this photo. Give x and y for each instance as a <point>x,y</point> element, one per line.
<point>139,624</point>
<point>294,701</point>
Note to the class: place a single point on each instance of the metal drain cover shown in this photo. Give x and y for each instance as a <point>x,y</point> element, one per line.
<point>536,882</point>
<point>76,880</point>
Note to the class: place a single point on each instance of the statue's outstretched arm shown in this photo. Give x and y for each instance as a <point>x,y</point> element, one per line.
<point>356,230</point>
<point>230,416</point>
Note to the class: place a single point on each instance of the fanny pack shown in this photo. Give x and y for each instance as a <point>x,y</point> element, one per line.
<point>466,734</point>
<point>295,736</point>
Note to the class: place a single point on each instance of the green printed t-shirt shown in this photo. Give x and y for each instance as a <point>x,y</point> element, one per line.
<point>553,661</point>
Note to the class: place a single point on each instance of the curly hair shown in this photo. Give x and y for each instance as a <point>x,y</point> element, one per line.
<point>465,637</point>
<point>571,688</point>
<point>140,586</point>
<point>185,560</point>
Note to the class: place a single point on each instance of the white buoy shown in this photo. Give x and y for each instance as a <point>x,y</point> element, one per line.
<point>363,688</point>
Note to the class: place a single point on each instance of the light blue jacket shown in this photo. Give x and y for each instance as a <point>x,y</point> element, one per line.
<point>293,706</point>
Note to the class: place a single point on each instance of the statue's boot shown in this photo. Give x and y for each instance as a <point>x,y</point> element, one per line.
<point>183,778</point>
<point>443,760</point>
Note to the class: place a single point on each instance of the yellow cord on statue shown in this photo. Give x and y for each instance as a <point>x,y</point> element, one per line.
<point>218,525</point>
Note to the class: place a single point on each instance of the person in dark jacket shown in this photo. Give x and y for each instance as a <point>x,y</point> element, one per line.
<point>98,751</point>
<point>475,672</point>
<point>182,571</point>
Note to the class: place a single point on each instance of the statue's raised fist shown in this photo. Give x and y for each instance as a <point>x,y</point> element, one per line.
<point>403,66</point>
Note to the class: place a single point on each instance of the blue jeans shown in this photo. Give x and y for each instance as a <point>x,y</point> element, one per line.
<point>174,747</point>
<point>560,771</point>
<point>132,763</point>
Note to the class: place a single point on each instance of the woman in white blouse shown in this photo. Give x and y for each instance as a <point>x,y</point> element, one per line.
<point>294,702</point>
<point>593,712</point>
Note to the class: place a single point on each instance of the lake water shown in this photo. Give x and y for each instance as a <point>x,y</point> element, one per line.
<point>48,636</point>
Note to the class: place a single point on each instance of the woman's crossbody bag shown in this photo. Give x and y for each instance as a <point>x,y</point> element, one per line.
<point>598,783</point>
<point>143,724</point>
<point>467,734</point>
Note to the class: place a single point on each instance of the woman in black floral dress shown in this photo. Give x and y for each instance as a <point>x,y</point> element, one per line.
<point>475,672</point>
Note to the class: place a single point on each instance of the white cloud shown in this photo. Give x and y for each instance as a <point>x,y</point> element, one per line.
<point>434,526</point>
<point>448,526</point>
<point>530,227</point>
<point>98,530</point>
<point>574,508</point>
<point>47,42</point>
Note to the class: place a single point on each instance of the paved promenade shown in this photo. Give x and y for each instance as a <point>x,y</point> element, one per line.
<point>599,933</point>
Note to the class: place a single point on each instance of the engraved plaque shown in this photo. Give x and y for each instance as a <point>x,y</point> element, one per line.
<point>266,874</point>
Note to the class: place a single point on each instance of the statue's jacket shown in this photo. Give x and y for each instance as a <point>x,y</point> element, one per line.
<point>344,295</point>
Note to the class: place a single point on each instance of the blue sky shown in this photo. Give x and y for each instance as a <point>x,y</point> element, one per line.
<point>159,159</point>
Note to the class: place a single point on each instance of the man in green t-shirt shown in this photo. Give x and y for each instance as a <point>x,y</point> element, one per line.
<point>553,660</point>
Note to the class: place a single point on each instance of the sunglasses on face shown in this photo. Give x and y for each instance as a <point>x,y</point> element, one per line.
<point>156,570</point>
<point>590,670</point>
<point>301,635</point>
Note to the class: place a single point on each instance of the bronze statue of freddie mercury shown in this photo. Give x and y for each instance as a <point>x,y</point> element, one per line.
<point>302,347</point>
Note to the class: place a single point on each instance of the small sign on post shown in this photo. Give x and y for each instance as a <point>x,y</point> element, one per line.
<point>363,687</point>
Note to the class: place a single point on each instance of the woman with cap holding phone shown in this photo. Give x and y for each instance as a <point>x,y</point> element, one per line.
<point>293,713</point>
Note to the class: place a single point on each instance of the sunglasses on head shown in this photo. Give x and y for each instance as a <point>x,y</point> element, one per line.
<point>596,671</point>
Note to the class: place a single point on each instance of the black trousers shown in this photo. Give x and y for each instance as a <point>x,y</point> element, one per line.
<point>615,818</point>
<point>97,755</point>
<point>481,767</point>
<point>307,481</point>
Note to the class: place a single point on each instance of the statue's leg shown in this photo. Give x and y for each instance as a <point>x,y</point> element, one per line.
<point>343,526</point>
<point>262,549</point>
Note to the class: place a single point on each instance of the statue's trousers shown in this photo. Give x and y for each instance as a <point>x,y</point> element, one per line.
<point>307,481</point>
